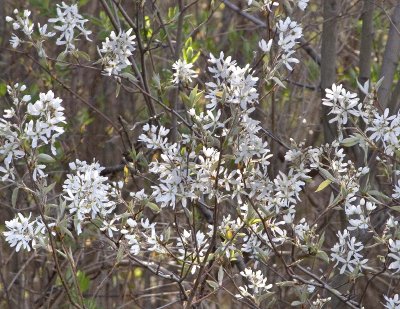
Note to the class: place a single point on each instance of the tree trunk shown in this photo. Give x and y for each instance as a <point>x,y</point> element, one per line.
<point>390,58</point>
<point>367,35</point>
<point>328,60</point>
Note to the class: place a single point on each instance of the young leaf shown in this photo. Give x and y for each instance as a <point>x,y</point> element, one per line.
<point>323,185</point>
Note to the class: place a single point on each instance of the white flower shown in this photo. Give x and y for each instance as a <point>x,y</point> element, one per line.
<point>49,115</point>
<point>233,84</point>
<point>393,302</point>
<point>302,4</point>
<point>43,31</point>
<point>256,282</point>
<point>15,41</point>
<point>87,193</point>
<point>24,233</point>
<point>265,47</point>
<point>394,248</point>
<point>343,104</point>
<point>109,226</point>
<point>68,19</point>
<point>116,50</point>
<point>134,244</point>
<point>347,253</point>
<point>183,72</point>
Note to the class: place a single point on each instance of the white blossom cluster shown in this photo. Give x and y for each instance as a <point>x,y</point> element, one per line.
<point>192,248</point>
<point>289,31</point>
<point>87,194</point>
<point>40,125</point>
<point>347,253</point>
<point>233,84</point>
<point>68,22</point>
<point>392,302</point>
<point>257,284</point>
<point>116,50</point>
<point>48,115</point>
<point>25,27</point>
<point>22,232</point>
<point>183,72</point>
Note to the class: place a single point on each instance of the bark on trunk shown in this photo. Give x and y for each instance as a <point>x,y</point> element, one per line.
<point>367,35</point>
<point>328,60</point>
<point>390,58</point>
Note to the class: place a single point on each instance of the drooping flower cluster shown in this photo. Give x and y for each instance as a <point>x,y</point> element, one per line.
<point>256,286</point>
<point>87,194</point>
<point>233,84</point>
<point>343,104</point>
<point>37,124</point>
<point>48,115</point>
<point>192,248</point>
<point>26,27</point>
<point>347,253</point>
<point>25,233</point>
<point>67,22</point>
<point>116,50</point>
<point>289,32</point>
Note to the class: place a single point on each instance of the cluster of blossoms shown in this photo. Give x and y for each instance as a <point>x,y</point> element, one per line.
<point>183,72</point>
<point>87,193</point>
<point>342,104</point>
<point>347,253</point>
<point>392,302</point>
<point>257,284</point>
<point>192,248</point>
<point>39,124</point>
<point>222,164</point>
<point>24,25</point>
<point>270,4</point>
<point>116,50</point>
<point>233,84</point>
<point>67,22</point>
<point>25,233</point>
<point>289,31</point>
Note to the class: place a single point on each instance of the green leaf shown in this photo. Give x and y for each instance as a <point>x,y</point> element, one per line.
<point>395,208</point>
<point>212,284</point>
<point>296,303</point>
<point>326,174</point>
<point>220,275</point>
<point>377,193</point>
<point>83,281</point>
<point>153,207</point>
<point>323,185</point>
<point>50,187</point>
<point>3,89</point>
<point>14,197</point>
<point>323,256</point>
<point>129,76</point>
<point>351,141</point>
<point>45,158</point>
<point>287,283</point>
